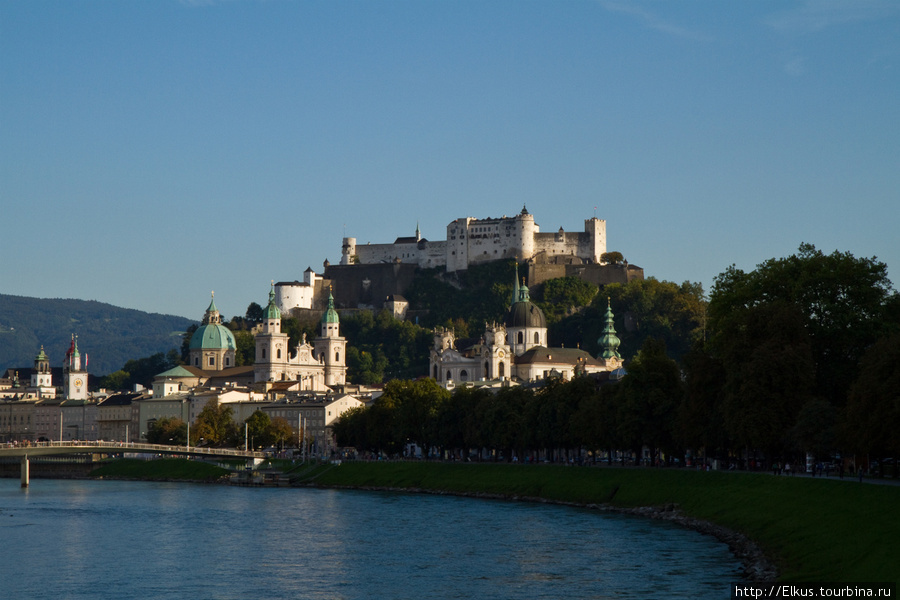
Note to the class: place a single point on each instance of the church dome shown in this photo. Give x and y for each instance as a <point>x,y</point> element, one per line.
<point>525,314</point>
<point>213,337</point>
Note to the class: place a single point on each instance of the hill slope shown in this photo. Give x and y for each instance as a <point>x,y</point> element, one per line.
<point>110,335</point>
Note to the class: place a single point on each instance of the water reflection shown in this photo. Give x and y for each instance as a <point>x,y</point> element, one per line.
<point>156,540</point>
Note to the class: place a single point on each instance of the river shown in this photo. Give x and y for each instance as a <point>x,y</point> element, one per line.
<point>142,540</point>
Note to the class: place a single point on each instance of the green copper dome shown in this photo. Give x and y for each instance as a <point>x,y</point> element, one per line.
<point>213,337</point>
<point>331,315</point>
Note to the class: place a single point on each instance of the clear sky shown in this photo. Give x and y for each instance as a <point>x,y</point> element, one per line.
<point>151,152</point>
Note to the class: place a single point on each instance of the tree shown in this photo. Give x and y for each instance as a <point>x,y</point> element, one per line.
<point>844,304</point>
<point>280,431</point>
<point>254,313</point>
<point>612,258</point>
<point>873,409</point>
<point>769,374</point>
<point>417,404</point>
<point>168,431</point>
<point>563,295</point>
<point>648,399</point>
<point>259,429</point>
<point>643,308</point>
<point>245,351</point>
<point>215,424</point>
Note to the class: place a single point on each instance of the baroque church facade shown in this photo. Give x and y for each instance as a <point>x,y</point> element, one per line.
<point>317,366</point>
<point>518,349</point>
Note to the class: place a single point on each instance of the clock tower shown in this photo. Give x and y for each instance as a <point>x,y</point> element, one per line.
<point>75,377</point>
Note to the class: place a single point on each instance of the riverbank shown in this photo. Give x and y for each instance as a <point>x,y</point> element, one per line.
<point>810,530</point>
<point>793,528</point>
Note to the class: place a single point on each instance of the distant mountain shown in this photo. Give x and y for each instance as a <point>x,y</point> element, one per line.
<point>108,334</point>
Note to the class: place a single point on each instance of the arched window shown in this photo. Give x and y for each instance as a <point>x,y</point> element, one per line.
<point>537,337</point>
<point>502,370</point>
<point>487,369</point>
<point>449,376</point>
<point>278,351</point>
<point>337,357</point>
<point>463,375</point>
<point>520,338</point>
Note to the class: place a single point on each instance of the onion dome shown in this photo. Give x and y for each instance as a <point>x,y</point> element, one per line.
<point>331,315</point>
<point>272,310</point>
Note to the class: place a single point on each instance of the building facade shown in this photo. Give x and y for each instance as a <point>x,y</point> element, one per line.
<point>472,241</point>
<point>517,350</point>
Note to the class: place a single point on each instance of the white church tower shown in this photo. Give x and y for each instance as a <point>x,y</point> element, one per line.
<point>271,345</point>
<point>331,348</point>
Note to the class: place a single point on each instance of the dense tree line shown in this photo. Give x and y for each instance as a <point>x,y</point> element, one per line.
<point>800,355</point>
<point>215,426</point>
<point>562,420</point>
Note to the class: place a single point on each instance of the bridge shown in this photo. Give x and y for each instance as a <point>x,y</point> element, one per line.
<point>102,447</point>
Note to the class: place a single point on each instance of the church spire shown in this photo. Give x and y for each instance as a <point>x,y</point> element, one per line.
<point>609,341</point>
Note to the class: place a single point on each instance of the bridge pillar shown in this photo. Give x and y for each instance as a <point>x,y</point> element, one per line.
<point>24,470</point>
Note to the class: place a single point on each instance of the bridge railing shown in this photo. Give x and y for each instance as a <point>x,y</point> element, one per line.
<point>139,447</point>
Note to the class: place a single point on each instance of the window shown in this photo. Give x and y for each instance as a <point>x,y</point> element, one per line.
<point>502,369</point>
<point>337,357</point>
<point>537,337</point>
<point>435,371</point>
<point>520,338</point>
<point>463,375</point>
<point>449,376</point>
<point>278,353</point>
<point>227,362</point>
<point>212,361</point>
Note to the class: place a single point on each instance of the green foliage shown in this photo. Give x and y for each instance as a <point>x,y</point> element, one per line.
<point>216,426</point>
<point>381,347</point>
<point>259,429</point>
<point>478,295</point>
<point>843,303</point>
<point>169,431</point>
<point>612,258</point>
<point>108,334</point>
<point>648,400</point>
<point>141,371</point>
<point>563,296</point>
<point>873,409</point>
<point>643,308</point>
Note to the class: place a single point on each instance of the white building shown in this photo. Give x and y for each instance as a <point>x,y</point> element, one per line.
<point>316,366</point>
<point>517,350</point>
<point>472,241</point>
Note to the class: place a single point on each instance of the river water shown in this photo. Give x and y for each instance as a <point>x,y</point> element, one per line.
<point>142,540</point>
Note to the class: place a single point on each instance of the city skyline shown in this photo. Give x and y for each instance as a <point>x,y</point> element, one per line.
<point>155,152</point>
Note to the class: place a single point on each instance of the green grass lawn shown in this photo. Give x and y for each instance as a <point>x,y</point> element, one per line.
<point>813,529</point>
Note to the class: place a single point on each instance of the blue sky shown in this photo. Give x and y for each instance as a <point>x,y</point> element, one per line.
<point>151,152</point>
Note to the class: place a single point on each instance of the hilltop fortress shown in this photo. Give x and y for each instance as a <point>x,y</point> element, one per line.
<point>371,275</point>
<point>473,241</point>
